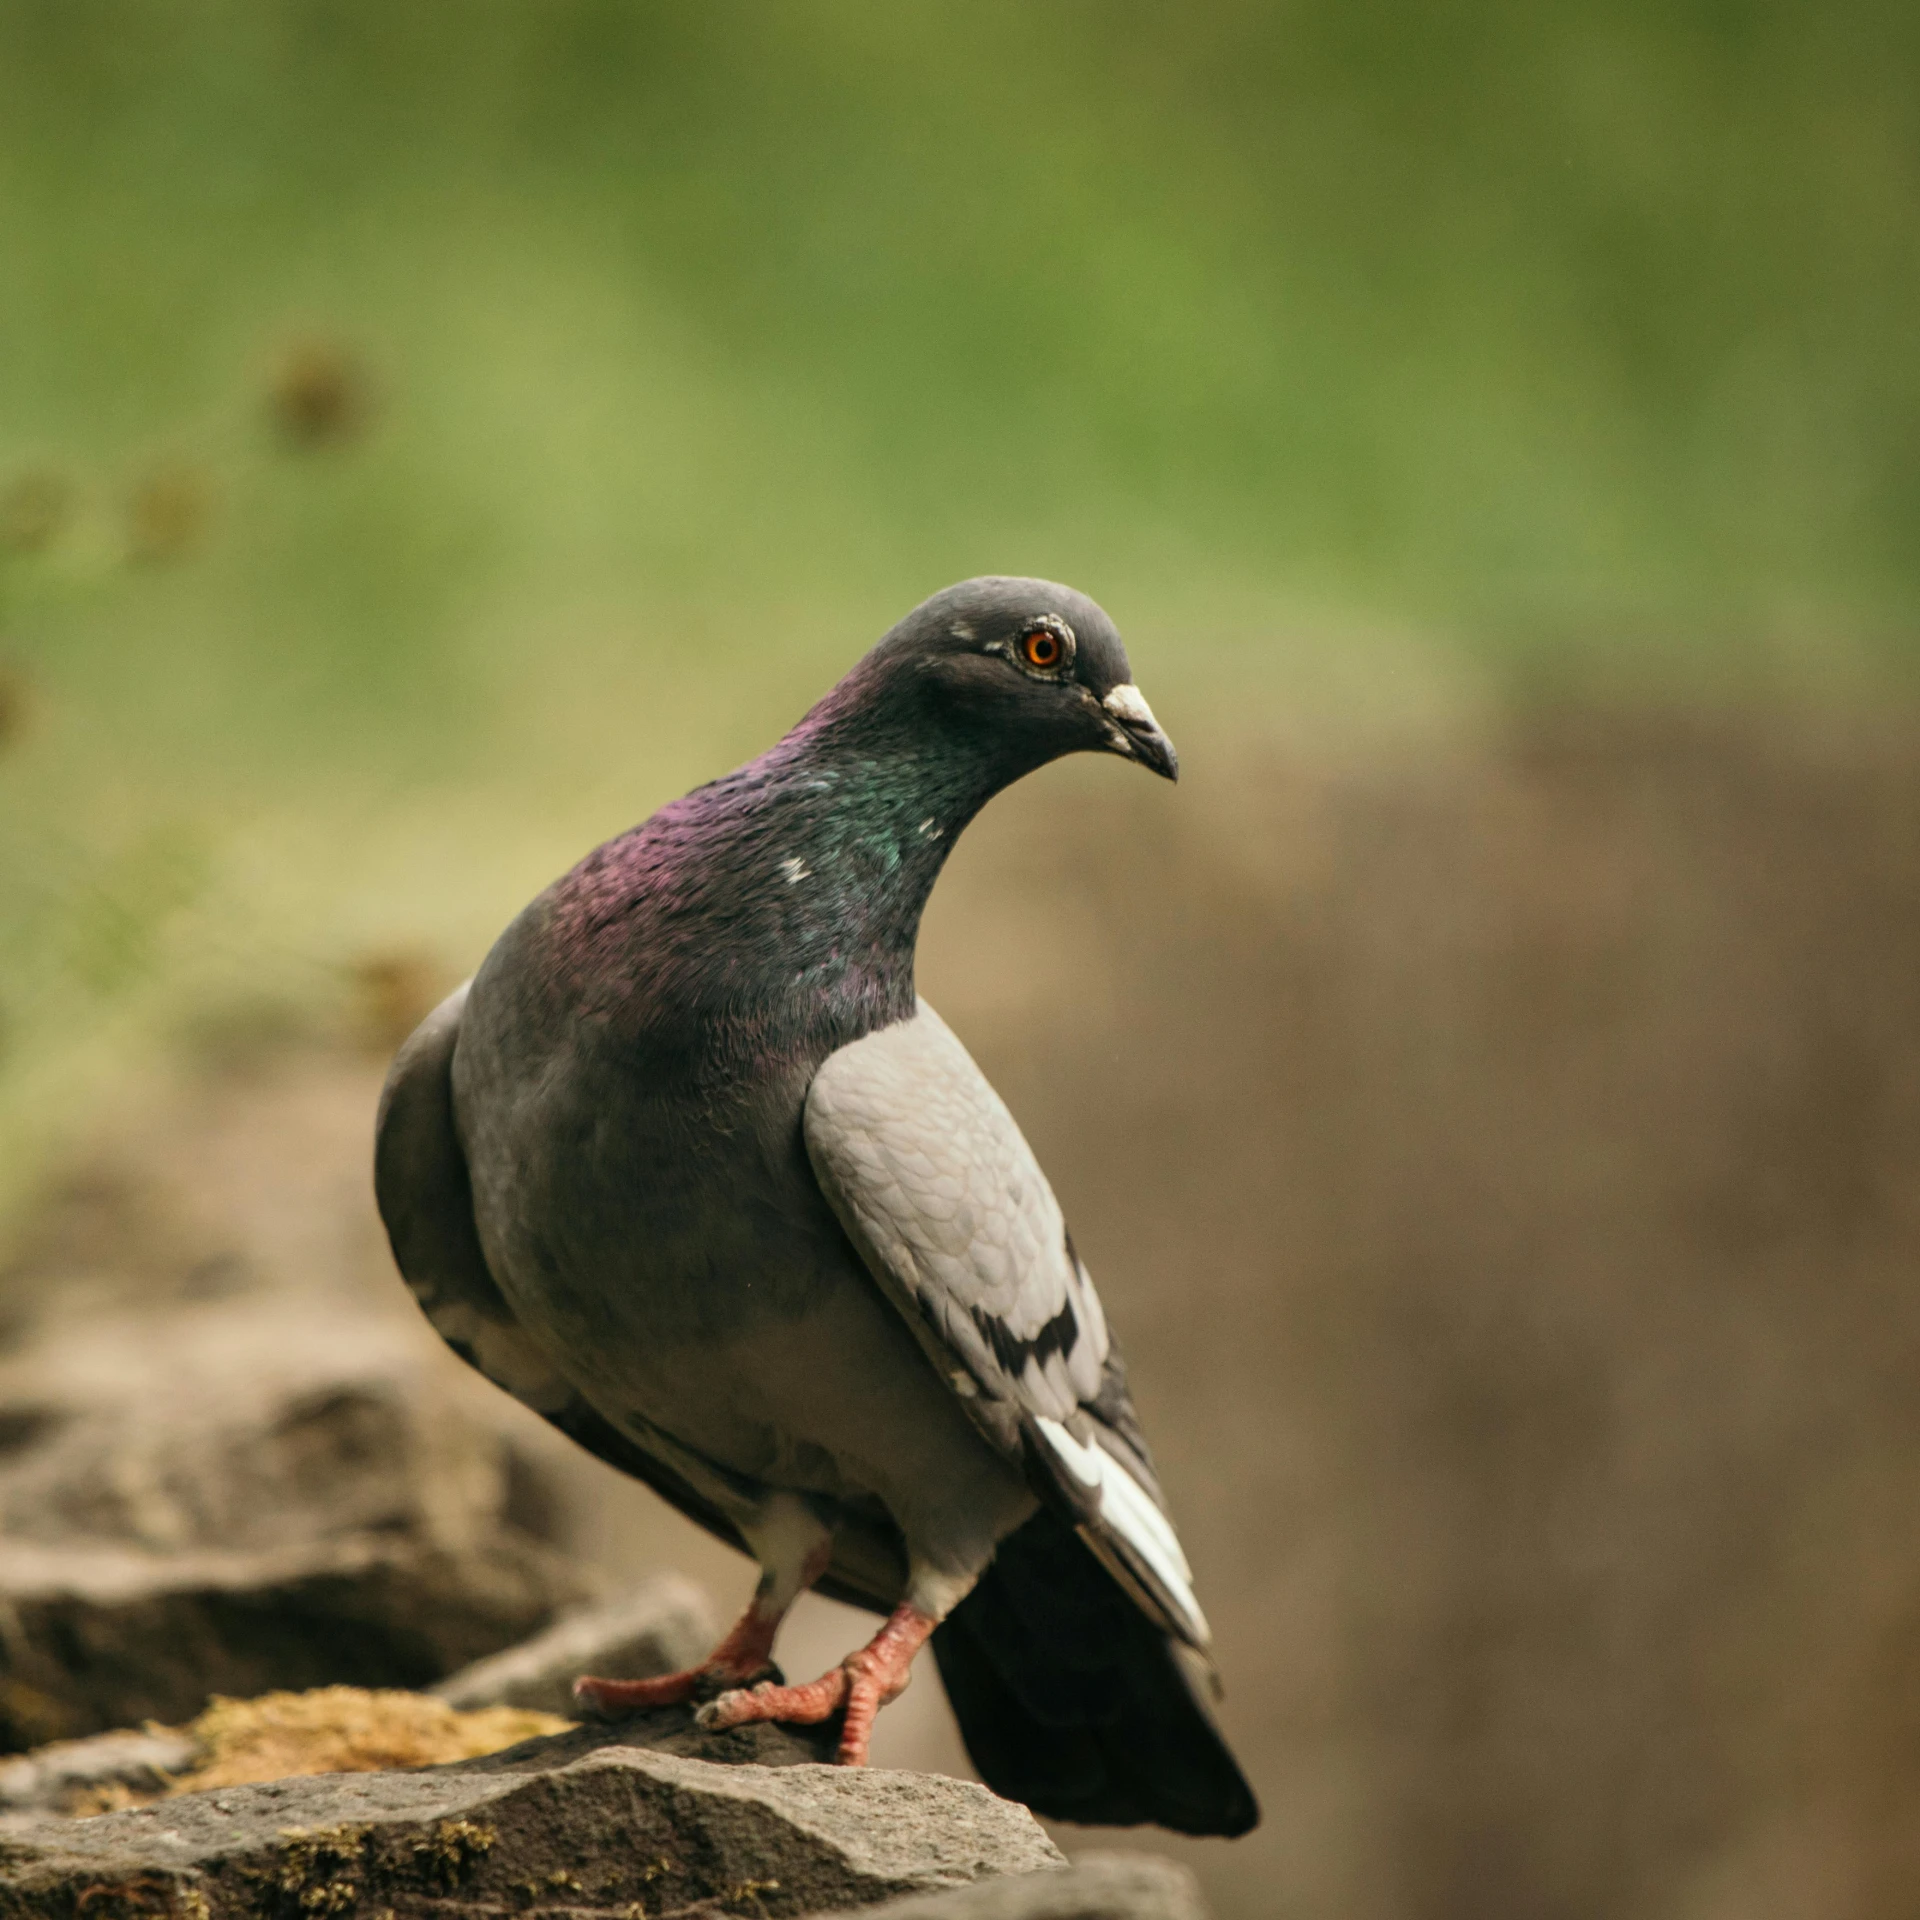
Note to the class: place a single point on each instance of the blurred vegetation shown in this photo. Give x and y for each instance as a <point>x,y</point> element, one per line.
<point>430,436</point>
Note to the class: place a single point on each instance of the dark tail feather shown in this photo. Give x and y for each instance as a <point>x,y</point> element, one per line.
<point>1071,1700</point>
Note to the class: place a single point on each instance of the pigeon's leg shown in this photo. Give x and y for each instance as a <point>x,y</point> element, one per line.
<point>863,1683</point>
<point>793,1549</point>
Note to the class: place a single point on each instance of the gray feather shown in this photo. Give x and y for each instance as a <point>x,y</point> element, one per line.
<point>939,1191</point>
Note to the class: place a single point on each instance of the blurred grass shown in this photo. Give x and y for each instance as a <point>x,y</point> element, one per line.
<point>1351,353</point>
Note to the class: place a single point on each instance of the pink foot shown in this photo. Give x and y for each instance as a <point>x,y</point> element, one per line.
<point>665,1690</point>
<point>862,1683</point>
<point>744,1654</point>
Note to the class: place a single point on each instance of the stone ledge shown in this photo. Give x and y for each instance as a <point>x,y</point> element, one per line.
<point>576,1825</point>
<point>1098,1886</point>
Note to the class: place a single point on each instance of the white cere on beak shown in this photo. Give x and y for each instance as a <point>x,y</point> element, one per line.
<point>795,869</point>
<point>1128,704</point>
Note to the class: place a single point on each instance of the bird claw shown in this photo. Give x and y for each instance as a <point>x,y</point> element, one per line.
<point>804,1706</point>
<point>610,1698</point>
<point>745,1655</point>
<point>863,1683</point>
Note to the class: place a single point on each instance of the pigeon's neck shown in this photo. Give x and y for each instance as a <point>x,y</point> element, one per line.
<point>786,897</point>
<point>842,832</point>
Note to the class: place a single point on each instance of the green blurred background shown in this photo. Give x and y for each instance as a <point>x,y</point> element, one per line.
<point>432,436</point>
<point>426,430</point>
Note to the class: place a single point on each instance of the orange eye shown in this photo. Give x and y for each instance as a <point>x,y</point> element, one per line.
<point>1041,648</point>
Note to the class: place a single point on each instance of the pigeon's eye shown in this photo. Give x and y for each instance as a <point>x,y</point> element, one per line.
<point>1042,648</point>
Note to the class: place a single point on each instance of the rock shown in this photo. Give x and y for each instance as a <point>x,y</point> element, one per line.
<point>101,1641</point>
<point>62,1777</point>
<point>583,1823</point>
<point>1098,1886</point>
<point>661,1627</point>
<point>238,1742</point>
<point>237,1496</point>
<point>672,1730</point>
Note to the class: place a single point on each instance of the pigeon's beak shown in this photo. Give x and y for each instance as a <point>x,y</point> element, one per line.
<point>1135,732</point>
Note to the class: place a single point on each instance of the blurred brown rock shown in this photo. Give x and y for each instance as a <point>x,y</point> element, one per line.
<point>1098,1886</point>
<point>71,1776</point>
<point>240,1495</point>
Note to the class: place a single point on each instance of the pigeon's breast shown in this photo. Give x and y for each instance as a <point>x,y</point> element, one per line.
<point>652,1219</point>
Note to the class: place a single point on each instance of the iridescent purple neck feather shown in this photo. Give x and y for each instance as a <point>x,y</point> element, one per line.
<point>785,897</point>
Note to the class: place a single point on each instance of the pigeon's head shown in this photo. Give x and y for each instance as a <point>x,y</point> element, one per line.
<point>1028,667</point>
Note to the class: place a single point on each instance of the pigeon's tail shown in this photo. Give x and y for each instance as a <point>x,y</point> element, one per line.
<point>1071,1700</point>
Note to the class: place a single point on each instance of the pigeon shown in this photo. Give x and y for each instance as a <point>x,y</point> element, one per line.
<point>690,1169</point>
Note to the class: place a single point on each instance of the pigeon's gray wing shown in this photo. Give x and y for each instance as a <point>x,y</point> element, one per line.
<point>421,1183</point>
<point>938,1189</point>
